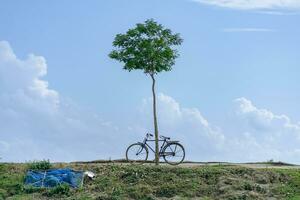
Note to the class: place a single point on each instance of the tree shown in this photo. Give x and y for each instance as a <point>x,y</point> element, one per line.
<point>149,47</point>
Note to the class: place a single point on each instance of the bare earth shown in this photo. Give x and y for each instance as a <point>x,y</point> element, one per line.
<point>258,165</point>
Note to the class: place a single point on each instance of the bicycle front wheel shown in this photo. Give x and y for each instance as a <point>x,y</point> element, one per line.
<point>137,153</point>
<point>174,153</point>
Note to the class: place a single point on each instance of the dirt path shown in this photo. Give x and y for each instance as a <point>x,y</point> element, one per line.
<point>274,165</point>
<point>248,165</point>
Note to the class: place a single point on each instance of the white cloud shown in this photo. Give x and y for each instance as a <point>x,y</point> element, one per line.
<point>20,81</point>
<point>258,134</point>
<point>265,134</point>
<point>36,122</point>
<point>263,119</point>
<point>203,140</point>
<point>254,4</point>
<point>248,30</point>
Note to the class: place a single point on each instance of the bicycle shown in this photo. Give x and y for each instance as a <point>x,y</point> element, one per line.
<point>172,151</point>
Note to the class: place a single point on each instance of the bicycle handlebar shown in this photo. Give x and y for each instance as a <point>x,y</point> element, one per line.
<point>149,134</point>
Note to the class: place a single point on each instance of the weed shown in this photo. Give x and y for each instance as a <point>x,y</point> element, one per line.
<point>59,190</point>
<point>39,165</point>
<point>167,190</point>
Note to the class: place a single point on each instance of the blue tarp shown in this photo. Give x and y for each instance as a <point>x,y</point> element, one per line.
<point>54,177</point>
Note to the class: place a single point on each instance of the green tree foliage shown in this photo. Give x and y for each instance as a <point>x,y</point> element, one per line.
<point>149,47</point>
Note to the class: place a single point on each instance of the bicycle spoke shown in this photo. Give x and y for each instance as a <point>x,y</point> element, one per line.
<point>171,149</point>
<point>136,153</point>
<point>174,153</point>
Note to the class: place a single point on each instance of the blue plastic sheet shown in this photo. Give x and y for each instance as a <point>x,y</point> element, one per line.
<point>54,177</point>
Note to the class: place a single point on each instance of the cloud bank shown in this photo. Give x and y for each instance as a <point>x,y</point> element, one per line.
<point>203,140</point>
<point>258,134</point>
<point>266,134</point>
<point>36,122</point>
<point>254,4</point>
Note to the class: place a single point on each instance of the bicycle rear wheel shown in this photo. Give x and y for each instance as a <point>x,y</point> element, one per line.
<point>174,153</point>
<point>137,153</point>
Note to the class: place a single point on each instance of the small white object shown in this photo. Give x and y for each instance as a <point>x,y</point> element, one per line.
<point>89,174</point>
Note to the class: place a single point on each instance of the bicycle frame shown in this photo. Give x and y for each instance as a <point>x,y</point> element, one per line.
<point>165,142</point>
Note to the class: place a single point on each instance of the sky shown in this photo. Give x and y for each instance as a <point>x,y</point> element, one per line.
<point>233,94</point>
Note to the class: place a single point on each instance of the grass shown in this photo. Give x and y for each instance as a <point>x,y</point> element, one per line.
<point>144,182</point>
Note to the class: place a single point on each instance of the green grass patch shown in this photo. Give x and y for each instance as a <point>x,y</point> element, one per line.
<point>144,182</point>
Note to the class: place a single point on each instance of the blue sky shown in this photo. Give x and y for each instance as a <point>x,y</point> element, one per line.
<point>235,84</point>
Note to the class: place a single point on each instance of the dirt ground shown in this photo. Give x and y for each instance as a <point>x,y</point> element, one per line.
<point>258,165</point>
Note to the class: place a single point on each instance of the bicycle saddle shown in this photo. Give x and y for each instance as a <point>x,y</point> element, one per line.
<point>163,137</point>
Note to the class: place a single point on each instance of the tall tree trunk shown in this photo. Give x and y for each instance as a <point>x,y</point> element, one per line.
<point>155,121</point>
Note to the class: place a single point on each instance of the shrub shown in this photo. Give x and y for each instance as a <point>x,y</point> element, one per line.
<point>247,186</point>
<point>3,194</point>
<point>168,191</point>
<point>31,189</point>
<point>60,190</point>
<point>140,192</point>
<point>40,165</point>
